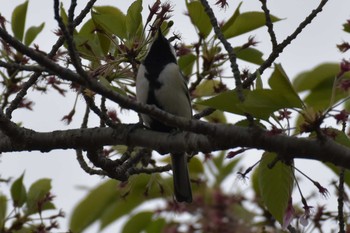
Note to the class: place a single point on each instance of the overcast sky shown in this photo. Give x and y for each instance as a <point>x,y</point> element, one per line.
<point>315,45</point>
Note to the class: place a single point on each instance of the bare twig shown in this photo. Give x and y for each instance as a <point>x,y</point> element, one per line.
<point>341,220</point>
<point>280,47</point>
<point>101,114</point>
<point>134,170</point>
<point>86,167</point>
<point>22,67</point>
<point>20,95</point>
<point>103,111</point>
<point>204,113</point>
<point>68,35</point>
<point>228,48</point>
<point>269,24</point>
<point>86,117</point>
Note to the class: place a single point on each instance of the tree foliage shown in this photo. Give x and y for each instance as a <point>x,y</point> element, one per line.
<point>96,56</point>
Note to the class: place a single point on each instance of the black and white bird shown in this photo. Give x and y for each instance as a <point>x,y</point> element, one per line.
<point>160,82</point>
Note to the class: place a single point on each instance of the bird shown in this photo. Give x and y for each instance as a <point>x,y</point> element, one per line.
<point>160,82</point>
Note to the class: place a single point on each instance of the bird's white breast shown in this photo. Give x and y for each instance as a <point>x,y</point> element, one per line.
<point>172,96</point>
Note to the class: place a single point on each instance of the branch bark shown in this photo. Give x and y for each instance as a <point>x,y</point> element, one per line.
<point>221,137</point>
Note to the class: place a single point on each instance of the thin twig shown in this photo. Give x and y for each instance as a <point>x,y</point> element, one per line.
<point>280,47</point>
<point>68,35</point>
<point>269,24</point>
<point>341,220</point>
<point>228,48</point>
<point>101,114</point>
<point>22,67</point>
<point>20,95</point>
<point>104,111</point>
<point>139,170</point>
<point>204,113</point>
<point>86,117</point>
<point>86,167</point>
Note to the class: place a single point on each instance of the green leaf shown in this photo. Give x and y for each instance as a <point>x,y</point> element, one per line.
<point>89,47</point>
<point>258,81</point>
<point>111,20</point>
<point>219,159</point>
<point>226,170</point>
<point>206,88</point>
<point>186,63</point>
<point>319,81</point>
<point>18,192</point>
<point>246,22</point>
<point>275,184</point>
<point>3,209</point>
<point>92,207</point>
<point>156,226</point>
<point>107,84</point>
<point>141,188</point>
<point>254,178</point>
<point>226,101</point>
<point>23,230</point>
<point>324,73</point>
<point>199,18</point>
<point>195,166</point>
<point>134,20</point>
<point>280,82</point>
<point>63,14</point>
<point>336,171</point>
<point>250,55</point>
<point>36,193</point>
<point>138,222</point>
<point>320,97</point>
<point>340,137</point>
<point>346,27</point>
<point>88,29</point>
<point>343,139</point>
<point>261,103</point>
<point>32,33</point>
<point>18,20</point>
<point>232,19</point>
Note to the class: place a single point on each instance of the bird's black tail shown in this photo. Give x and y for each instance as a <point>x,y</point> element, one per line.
<point>182,185</point>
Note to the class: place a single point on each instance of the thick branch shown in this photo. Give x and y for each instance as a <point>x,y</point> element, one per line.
<point>222,137</point>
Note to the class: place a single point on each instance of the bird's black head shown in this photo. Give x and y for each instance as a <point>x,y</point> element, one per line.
<point>160,53</point>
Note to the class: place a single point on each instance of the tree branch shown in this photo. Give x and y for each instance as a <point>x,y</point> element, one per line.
<point>222,137</point>
<point>68,35</point>
<point>228,48</point>
<point>269,24</point>
<point>22,67</point>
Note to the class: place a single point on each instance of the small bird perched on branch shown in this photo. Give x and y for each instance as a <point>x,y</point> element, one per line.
<point>160,82</point>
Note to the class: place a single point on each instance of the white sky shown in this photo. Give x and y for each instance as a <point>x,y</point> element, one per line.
<point>314,46</point>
